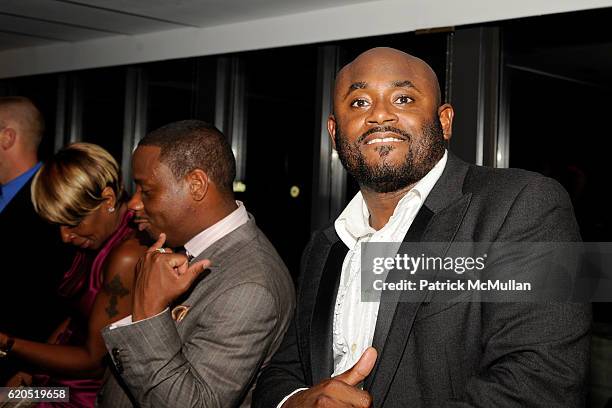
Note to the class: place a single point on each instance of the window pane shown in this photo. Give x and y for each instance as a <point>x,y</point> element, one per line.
<point>103,101</point>
<point>560,93</point>
<point>281,91</point>
<point>180,89</point>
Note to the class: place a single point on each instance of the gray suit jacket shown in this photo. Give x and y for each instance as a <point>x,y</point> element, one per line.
<point>451,354</point>
<point>238,315</point>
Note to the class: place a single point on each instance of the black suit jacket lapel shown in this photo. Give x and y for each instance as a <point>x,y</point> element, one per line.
<point>438,221</point>
<point>389,299</point>
<point>315,305</point>
<point>321,330</point>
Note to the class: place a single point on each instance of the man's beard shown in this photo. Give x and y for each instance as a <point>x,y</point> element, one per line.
<point>423,154</point>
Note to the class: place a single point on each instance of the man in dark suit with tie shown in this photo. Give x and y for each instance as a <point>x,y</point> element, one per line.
<point>29,305</point>
<point>389,128</point>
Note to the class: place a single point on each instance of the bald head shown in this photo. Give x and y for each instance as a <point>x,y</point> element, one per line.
<point>384,60</point>
<point>20,114</point>
<point>21,129</point>
<point>388,126</point>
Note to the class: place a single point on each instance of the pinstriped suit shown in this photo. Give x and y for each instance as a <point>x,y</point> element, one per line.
<point>238,315</point>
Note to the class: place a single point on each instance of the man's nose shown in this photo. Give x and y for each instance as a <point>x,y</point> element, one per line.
<point>382,113</point>
<point>66,235</point>
<point>135,203</point>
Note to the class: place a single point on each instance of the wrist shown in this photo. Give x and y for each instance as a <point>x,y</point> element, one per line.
<point>6,346</point>
<point>142,312</point>
<point>144,305</point>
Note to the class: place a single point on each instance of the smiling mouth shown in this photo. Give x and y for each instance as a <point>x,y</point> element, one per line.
<point>141,223</point>
<point>83,245</point>
<point>384,140</point>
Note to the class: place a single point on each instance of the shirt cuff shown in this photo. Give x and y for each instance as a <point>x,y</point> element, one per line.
<point>289,396</point>
<point>127,320</point>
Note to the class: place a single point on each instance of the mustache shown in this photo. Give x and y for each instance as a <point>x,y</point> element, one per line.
<point>381,129</point>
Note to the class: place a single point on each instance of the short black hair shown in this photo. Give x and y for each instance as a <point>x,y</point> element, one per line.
<point>187,145</point>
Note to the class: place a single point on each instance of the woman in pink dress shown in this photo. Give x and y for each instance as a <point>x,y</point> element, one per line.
<point>80,190</point>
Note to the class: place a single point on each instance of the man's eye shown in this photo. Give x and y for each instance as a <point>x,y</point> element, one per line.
<point>360,103</point>
<point>403,99</point>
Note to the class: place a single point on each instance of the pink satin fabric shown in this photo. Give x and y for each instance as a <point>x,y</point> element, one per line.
<point>80,286</point>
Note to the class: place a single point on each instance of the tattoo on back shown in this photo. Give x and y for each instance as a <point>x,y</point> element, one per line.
<point>116,290</point>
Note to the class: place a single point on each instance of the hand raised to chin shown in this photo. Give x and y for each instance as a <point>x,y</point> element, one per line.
<point>340,391</point>
<point>161,277</point>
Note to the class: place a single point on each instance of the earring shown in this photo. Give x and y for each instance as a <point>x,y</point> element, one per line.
<point>111,209</point>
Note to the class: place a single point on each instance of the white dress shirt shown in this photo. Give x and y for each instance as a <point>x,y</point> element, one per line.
<point>354,320</point>
<point>196,245</point>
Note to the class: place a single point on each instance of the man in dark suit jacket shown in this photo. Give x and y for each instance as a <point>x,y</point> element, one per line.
<point>29,305</point>
<point>389,129</point>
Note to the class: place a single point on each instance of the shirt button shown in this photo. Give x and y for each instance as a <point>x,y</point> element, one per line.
<point>353,348</point>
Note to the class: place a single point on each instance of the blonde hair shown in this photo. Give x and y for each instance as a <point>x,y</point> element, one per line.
<point>69,186</point>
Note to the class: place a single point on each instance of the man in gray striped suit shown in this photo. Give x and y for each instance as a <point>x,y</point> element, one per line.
<point>204,322</point>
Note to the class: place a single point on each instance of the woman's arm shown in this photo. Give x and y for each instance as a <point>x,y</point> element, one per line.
<point>25,378</point>
<point>112,303</point>
<point>58,331</point>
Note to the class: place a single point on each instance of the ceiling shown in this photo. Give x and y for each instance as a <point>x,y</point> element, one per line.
<point>46,36</point>
<point>26,23</point>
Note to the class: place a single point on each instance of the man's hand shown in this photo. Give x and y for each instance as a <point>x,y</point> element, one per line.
<point>161,278</point>
<point>340,391</point>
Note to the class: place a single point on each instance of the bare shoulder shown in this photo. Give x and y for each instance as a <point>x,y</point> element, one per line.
<point>123,258</point>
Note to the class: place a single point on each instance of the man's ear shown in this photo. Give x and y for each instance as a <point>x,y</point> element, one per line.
<point>446,114</point>
<point>8,137</point>
<point>109,197</point>
<point>331,129</point>
<point>198,183</point>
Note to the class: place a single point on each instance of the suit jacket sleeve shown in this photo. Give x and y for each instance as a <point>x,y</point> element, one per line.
<point>285,373</point>
<point>534,354</point>
<point>213,367</point>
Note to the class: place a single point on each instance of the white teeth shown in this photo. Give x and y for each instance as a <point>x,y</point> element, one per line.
<point>386,139</point>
